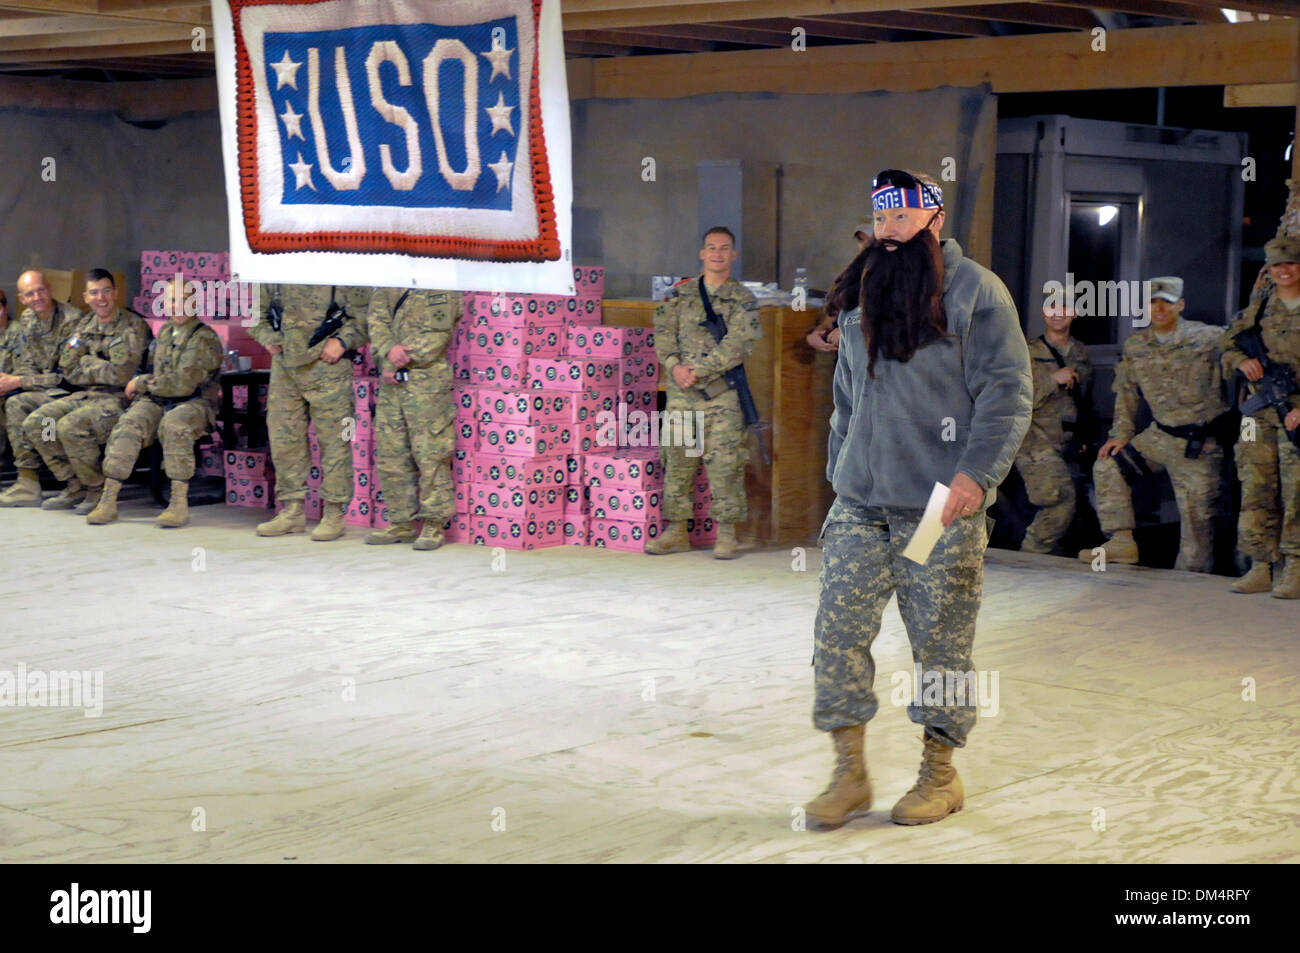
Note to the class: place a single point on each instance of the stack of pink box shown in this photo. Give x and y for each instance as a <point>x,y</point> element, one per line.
<point>250,479</point>
<point>701,528</point>
<point>227,306</point>
<point>625,489</point>
<point>362,511</point>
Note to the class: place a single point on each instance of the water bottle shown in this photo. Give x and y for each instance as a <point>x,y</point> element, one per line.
<point>232,361</point>
<point>800,302</point>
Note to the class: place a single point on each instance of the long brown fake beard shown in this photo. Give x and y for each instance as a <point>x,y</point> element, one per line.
<point>902,298</point>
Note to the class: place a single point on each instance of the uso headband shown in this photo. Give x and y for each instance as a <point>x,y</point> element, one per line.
<point>894,196</point>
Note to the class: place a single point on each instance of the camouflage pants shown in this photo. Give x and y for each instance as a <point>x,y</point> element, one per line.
<point>4,430</point>
<point>1259,524</point>
<point>323,392</point>
<point>1288,473</point>
<point>726,452</point>
<point>414,439</point>
<point>1196,491</point>
<point>17,409</point>
<point>83,423</point>
<point>178,429</point>
<point>862,565</point>
<point>1051,489</point>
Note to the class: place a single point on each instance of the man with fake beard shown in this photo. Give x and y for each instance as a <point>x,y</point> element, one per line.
<point>933,386</point>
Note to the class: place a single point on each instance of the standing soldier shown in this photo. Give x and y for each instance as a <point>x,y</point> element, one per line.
<point>696,363</point>
<point>176,402</point>
<point>1062,373</point>
<point>410,333</point>
<point>1174,363</point>
<point>1268,466</point>
<point>97,363</point>
<point>307,329</point>
<point>8,355</point>
<point>43,330</point>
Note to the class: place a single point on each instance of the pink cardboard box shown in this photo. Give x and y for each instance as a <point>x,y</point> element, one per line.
<point>206,265</point>
<point>242,491</point>
<point>517,534</point>
<point>573,374</point>
<point>456,529</point>
<point>520,441</point>
<point>610,343</point>
<point>359,512</point>
<point>495,470</point>
<point>313,506</point>
<point>589,280</point>
<point>531,503</point>
<point>363,450</point>
<point>462,466</point>
<point>466,399</point>
<point>616,534</point>
<point>573,469</point>
<point>624,503</point>
<point>636,469</point>
<point>639,373</point>
<point>532,340</point>
<point>575,529</point>
<point>487,309</point>
<point>466,435</point>
<point>162,264</point>
<point>315,476</point>
<point>575,499</point>
<point>251,464</point>
<point>582,309</point>
<point>363,482</point>
<point>497,371</point>
<point>588,404</point>
<point>362,365</point>
<point>363,392</point>
<point>702,532</point>
<point>525,407</point>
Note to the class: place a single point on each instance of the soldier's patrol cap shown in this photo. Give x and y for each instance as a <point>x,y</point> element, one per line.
<point>1281,250</point>
<point>1167,288</point>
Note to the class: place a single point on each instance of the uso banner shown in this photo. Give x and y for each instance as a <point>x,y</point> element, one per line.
<point>397,143</point>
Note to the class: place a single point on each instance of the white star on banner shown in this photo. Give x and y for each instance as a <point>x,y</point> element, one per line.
<point>292,122</point>
<point>502,168</point>
<point>500,114</point>
<point>500,59</point>
<point>286,72</point>
<point>303,171</point>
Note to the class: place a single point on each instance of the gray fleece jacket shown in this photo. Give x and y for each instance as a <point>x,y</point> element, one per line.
<point>961,405</point>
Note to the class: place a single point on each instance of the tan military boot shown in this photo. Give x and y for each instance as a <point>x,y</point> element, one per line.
<point>1289,587</point>
<point>291,519</point>
<point>178,507</point>
<point>937,791</point>
<point>850,787</point>
<point>725,547</point>
<point>397,533</point>
<point>105,510</point>
<point>91,500</point>
<point>331,525</point>
<point>430,537</point>
<point>1120,548</point>
<point>1259,579</point>
<point>26,490</point>
<point>671,540</point>
<point>68,497</point>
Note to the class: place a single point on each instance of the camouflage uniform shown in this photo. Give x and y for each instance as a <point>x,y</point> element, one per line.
<point>8,359</point>
<point>862,566</point>
<point>106,356</point>
<point>302,385</point>
<point>415,420</point>
<point>681,338</point>
<point>1269,465</point>
<point>36,360</point>
<point>1041,460</point>
<point>1180,379</point>
<point>176,401</point>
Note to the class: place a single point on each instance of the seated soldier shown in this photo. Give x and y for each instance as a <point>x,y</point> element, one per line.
<point>175,402</point>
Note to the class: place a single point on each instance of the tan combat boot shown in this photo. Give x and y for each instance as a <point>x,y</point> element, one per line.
<point>87,505</point>
<point>1120,548</point>
<point>1259,579</point>
<point>397,533</point>
<point>671,540</point>
<point>725,547</point>
<point>331,524</point>
<point>430,537</point>
<point>105,510</point>
<point>26,490</point>
<point>850,787</point>
<point>68,497</point>
<point>178,507</point>
<point>937,791</point>
<point>1289,587</point>
<point>291,519</point>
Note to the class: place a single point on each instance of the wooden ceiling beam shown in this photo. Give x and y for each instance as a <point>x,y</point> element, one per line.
<point>1151,8</point>
<point>633,39</point>
<point>98,52</point>
<point>198,15</point>
<point>720,33</point>
<point>96,38</point>
<point>620,14</point>
<point>1031,14</point>
<point>1216,55</point>
<point>826,29</point>
<point>921,22</point>
<point>1260,94</point>
<point>587,48</point>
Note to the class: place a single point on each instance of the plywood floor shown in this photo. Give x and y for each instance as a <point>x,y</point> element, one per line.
<point>584,705</point>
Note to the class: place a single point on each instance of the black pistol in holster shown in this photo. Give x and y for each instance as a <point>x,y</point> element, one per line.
<point>735,379</point>
<point>1277,384</point>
